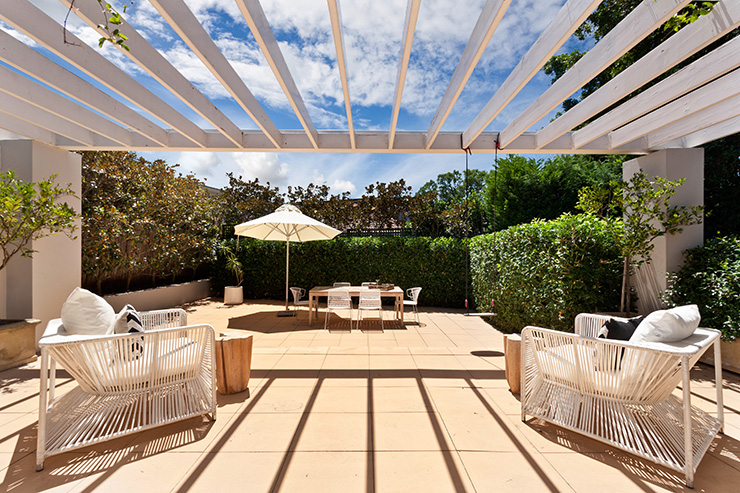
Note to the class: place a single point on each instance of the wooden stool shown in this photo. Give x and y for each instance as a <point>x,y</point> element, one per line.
<point>513,359</point>
<point>233,362</point>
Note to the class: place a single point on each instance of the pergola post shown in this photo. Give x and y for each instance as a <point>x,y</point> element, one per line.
<point>667,257</point>
<point>37,287</point>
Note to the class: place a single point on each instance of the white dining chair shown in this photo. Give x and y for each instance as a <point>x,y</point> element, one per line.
<point>413,294</point>
<point>366,284</point>
<point>342,284</point>
<point>338,299</point>
<point>370,300</point>
<point>299,293</point>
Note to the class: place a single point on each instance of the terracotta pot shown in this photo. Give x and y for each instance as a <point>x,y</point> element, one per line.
<point>233,295</point>
<point>17,342</point>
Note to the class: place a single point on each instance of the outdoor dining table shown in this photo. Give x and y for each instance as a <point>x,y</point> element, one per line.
<point>316,291</point>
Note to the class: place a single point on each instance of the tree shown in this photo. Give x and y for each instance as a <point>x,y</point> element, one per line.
<point>242,201</point>
<point>646,215</point>
<point>30,211</point>
<point>524,189</point>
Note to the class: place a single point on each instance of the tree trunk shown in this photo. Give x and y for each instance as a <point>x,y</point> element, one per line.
<point>623,302</point>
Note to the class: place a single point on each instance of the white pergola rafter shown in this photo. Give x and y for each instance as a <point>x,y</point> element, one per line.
<point>85,102</point>
<point>490,17</point>
<point>32,63</point>
<point>646,17</point>
<point>185,24</point>
<point>42,29</point>
<point>157,66</point>
<point>257,21</point>
<point>724,18</point>
<point>336,29</point>
<point>565,23</point>
<point>412,14</point>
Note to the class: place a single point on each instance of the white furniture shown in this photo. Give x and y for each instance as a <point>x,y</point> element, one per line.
<point>299,293</point>
<point>622,393</point>
<point>370,300</point>
<point>413,294</point>
<point>342,284</point>
<point>126,383</point>
<point>338,299</point>
<point>366,284</point>
<point>317,291</point>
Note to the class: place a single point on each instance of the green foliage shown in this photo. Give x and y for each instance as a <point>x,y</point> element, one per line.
<point>232,263</point>
<point>689,14</point>
<point>710,278</point>
<point>142,218</point>
<point>457,213</point>
<point>112,18</point>
<point>30,211</point>
<point>525,189</point>
<point>437,265</point>
<point>646,213</point>
<point>545,273</point>
<point>722,186</point>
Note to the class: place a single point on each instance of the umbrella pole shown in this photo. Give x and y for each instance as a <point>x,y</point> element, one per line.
<point>286,313</point>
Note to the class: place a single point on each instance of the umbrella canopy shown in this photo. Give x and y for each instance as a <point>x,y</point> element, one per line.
<point>286,224</point>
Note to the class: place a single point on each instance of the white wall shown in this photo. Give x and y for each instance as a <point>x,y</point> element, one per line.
<point>37,287</point>
<point>672,164</point>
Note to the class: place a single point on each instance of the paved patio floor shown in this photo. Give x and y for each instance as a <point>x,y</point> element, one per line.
<point>413,408</point>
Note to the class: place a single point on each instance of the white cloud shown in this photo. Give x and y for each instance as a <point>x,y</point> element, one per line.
<point>266,166</point>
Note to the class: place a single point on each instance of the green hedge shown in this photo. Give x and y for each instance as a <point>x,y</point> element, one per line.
<point>437,265</point>
<point>547,272</point>
<point>710,278</point>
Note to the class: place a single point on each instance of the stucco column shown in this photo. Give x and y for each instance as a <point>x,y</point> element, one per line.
<point>667,257</point>
<point>37,287</point>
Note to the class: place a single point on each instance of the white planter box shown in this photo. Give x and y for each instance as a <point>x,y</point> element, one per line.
<point>233,295</point>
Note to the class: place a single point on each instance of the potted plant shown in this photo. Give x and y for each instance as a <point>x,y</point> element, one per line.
<point>233,295</point>
<point>28,211</point>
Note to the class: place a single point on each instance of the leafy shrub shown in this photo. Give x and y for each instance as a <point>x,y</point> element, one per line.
<point>710,278</point>
<point>547,272</point>
<point>437,265</point>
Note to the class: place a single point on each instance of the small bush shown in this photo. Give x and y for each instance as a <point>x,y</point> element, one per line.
<point>437,265</point>
<point>546,272</point>
<point>710,278</point>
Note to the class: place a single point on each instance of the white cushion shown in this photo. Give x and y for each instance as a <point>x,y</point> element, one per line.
<point>87,313</point>
<point>671,325</point>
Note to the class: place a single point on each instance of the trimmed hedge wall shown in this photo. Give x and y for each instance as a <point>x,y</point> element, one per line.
<point>710,278</point>
<point>547,272</point>
<point>437,265</point>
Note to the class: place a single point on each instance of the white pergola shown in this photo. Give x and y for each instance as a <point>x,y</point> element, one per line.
<point>695,105</point>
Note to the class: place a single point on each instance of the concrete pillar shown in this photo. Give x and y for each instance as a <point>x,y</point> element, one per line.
<point>667,257</point>
<point>37,287</point>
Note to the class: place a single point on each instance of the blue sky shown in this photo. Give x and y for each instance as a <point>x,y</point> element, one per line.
<point>373,31</point>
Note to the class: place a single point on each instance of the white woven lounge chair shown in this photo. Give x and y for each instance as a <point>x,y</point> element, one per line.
<point>126,382</point>
<point>621,393</point>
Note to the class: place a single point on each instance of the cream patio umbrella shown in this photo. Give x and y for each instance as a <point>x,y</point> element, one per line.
<point>286,224</point>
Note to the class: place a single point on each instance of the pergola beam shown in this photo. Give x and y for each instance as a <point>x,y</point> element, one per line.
<point>157,66</point>
<point>42,29</point>
<point>32,63</point>
<point>255,17</point>
<point>412,14</point>
<point>489,19</point>
<point>712,65</point>
<point>25,129</point>
<point>48,121</point>
<point>708,134</point>
<point>719,91</point>
<point>336,27</point>
<point>721,20</point>
<point>639,23</point>
<point>26,90</point>
<point>184,23</point>
<point>565,23</point>
<point>694,121</point>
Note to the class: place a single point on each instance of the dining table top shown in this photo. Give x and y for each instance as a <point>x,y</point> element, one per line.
<point>353,290</point>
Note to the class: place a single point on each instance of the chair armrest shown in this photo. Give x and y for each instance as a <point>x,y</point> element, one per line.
<point>164,319</point>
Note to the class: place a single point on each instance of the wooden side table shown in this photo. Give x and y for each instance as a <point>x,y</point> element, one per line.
<point>513,360</point>
<point>233,362</point>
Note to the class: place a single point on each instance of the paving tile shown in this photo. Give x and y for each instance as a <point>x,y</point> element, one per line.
<point>399,399</point>
<point>278,399</point>
<point>334,399</point>
<point>232,471</point>
<point>484,432</point>
<point>335,432</point>
<point>513,471</point>
<point>422,472</point>
<point>260,432</point>
<point>326,472</point>
<point>409,431</point>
